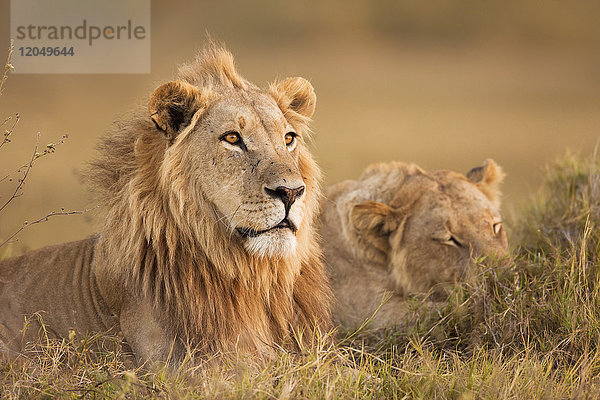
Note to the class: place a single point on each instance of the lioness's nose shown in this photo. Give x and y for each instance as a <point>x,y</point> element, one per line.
<point>285,194</point>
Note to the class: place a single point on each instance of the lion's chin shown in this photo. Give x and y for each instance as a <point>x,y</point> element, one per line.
<point>276,243</point>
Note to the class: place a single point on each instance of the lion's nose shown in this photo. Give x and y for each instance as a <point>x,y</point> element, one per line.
<point>285,194</point>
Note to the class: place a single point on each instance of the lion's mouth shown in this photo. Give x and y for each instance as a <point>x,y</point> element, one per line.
<point>250,233</point>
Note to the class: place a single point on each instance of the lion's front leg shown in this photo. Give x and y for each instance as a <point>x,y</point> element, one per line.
<point>148,336</point>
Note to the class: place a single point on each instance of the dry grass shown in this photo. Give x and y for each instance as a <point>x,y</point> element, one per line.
<point>523,327</point>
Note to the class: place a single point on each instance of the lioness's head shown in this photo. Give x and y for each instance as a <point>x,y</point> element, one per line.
<point>240,150</point>
<point>425,228</point>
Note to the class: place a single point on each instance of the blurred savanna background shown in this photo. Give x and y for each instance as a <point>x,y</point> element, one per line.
<point>444,84</point>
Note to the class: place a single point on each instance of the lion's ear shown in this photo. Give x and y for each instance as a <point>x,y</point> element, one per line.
<point>375,222</point>
<point>172,106</point>
<point>295,97</point>
<point>488,178</point>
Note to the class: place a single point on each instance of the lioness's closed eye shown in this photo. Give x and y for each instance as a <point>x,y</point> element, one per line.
<point>399,230</point>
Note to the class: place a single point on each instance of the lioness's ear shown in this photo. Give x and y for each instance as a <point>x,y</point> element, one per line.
<point>488,178</point>
<point>374,222</point>
<point>172,106</point>
<point>295,96</point>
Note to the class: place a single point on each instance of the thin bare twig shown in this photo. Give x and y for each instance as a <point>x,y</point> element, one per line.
<point>7,67</point>
<point>44,219</point>
<point>25,174</point>
<point>50,148</point>
<point>8,132</point>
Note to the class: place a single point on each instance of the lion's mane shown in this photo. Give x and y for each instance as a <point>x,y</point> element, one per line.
<point>168,244</point>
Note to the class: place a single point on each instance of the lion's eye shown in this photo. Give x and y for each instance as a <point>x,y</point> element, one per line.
<point>290,138</point>
<point>448,239</point>
<point>453,242</point>
<point>497,228</point>
<point>231,137</point>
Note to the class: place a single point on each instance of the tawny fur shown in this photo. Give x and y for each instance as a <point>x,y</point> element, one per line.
<point>170,267</point>
<point>391,234</point>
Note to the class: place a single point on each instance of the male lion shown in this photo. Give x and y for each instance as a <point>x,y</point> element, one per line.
<point>208,242</point>
<point>399,230</point>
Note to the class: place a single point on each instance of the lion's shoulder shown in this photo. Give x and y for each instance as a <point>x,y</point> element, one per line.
<point>46,258</point>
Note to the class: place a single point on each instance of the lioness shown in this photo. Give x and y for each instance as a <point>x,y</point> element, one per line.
<point>210,197</point>
<point>399,230</point>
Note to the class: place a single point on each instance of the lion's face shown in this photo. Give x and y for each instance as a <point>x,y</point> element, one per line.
<point>251,172</point>
<point>243,157</point>
<point>432,226</point>
<point>445,229</point>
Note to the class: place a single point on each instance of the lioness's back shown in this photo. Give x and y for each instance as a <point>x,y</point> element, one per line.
<point>58,283</point>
